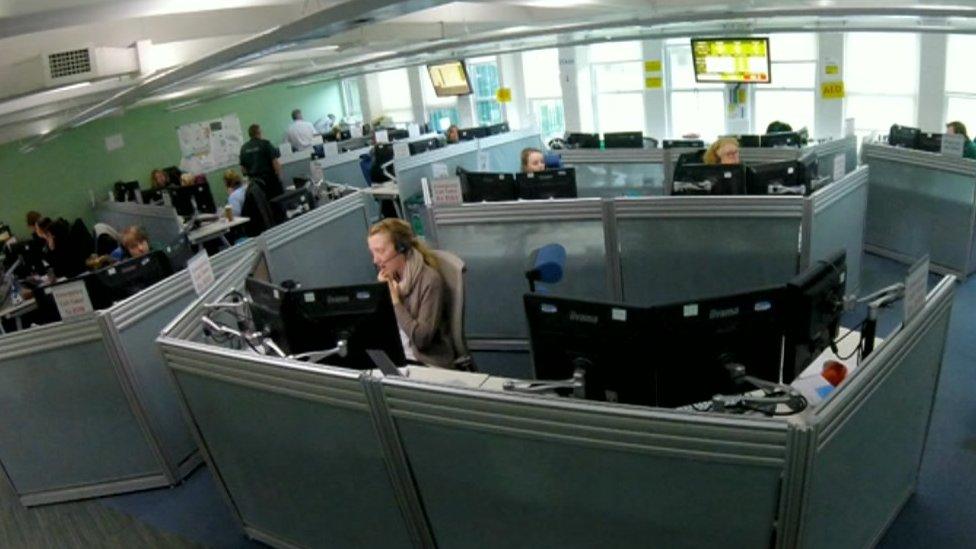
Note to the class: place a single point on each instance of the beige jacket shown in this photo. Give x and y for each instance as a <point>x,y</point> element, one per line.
<point>422,312</point>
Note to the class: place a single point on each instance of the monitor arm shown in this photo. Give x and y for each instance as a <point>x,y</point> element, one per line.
<point>877,301</point>
<point>341,349</point>
<point>774,394</point>
<point>577,383</point>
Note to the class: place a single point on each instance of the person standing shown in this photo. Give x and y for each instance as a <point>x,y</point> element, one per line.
<point>259,161</point>
<point>301,134</point>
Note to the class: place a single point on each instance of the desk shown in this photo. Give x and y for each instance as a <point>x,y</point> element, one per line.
<point>17,311</point>
<point>386,191</point>
<point>217,229</point>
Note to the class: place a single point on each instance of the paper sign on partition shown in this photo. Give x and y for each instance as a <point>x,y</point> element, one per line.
<point>330,149</point>
<point>446,192</point>
<point>413,130</point>
<point>382,136</point>
<point>401,149</point>
<point>439,170</point>
<point>952,145</point>
<point>71,299</point>
<point>916,288</point>
<point>356,130</point>
<point>483,161</point>
<point>201,272</point>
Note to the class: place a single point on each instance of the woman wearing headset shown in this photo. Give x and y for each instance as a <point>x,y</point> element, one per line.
<point>417,289</point>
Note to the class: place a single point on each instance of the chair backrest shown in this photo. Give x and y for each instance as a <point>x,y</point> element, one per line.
<point>105,228</point>
<point>452,270</point>
<point>256,207</point>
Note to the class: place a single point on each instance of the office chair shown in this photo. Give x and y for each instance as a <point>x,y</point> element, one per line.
<point>106,239</point>
<point>258,209</point>
<point>452,269</point>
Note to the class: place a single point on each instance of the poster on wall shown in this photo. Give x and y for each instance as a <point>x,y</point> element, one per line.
<point>210,144</point>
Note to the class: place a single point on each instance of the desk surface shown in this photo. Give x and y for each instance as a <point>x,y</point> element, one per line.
<point>383,190</point>
<point>21,308</point>
<point>215,229</point>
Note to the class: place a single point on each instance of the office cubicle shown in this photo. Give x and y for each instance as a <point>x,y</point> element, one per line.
<point>644,250</point>
<point>297,165</point>
<point>344,168</point>
<point>88,408</point>
<point>399,460</point>
<point>161,222</point>
<point>922,203</point>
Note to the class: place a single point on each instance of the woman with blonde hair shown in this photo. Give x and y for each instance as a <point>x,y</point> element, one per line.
<point>417,289</point>
<point>723,151</point>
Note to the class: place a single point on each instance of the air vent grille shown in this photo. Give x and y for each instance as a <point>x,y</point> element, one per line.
<point>69,63</point>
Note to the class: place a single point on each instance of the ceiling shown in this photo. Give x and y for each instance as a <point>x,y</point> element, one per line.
<point>175,51</point>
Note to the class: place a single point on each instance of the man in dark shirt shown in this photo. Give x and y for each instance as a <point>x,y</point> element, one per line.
<point>259,161</point>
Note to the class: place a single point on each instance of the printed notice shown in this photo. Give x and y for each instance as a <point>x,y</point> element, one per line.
<point>114,142</point>
<point>952,144</point>
<point>413,130</point>
<point>916,288</point>
<point>356,130</point>
<point>382,136</point>
<point>201,273</point>
<point>483,161</point>
<point>446,192</point>
<point>71,299</point>
<point>840,166</point>
<point>330,149</point>
<point>401,149</point>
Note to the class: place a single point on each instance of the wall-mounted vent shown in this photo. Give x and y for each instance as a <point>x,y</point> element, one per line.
<point>64,64</point>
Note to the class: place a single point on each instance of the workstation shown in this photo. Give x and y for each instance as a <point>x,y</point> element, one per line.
<point>620,217</point>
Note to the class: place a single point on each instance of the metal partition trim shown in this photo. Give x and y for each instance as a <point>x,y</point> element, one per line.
<point>961,166</point>
<point>142,304</point>
<point>612,156</point>
<point>141,210</point>
<point>521,211</point>
<point>710,207</point>
<point>507,137</point>
<point>49,337</point>
<point>435,155</point>
<point>186,324</point>
<point>835,146</point>
<point>800,448</point>
<point>94,491</point>
<point>611,247</point>
<point>837,190</point>
<point>342,158</point>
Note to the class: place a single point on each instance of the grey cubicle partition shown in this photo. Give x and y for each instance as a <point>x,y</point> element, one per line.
<point>922,203</point>
<point>503,152</point>
<point>613,173</point>
<point>344,168</point>
<point>87,409</point>
<point>296,166</point>
<point>161,222</point>
<point>834,217</point>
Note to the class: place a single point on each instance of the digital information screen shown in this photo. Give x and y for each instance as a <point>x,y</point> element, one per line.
<point>449,79</point>
<point>731,60</point>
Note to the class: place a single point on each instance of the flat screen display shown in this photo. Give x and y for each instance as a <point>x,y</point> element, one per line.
<point>743,60</point>
<point>449,78</point>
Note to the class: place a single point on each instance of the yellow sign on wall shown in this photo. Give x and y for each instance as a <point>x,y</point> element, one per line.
<point>653,82</point>
<point>504,95</point>
<point>832,90</point>
<point>652,66</point>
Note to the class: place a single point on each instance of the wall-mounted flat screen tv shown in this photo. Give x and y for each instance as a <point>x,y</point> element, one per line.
<point>449,78</point>
<point>731,60</point>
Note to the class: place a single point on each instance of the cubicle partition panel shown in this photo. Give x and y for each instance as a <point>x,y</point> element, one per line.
<point>548,472</point>
<point>834,218</point>
<point>685,248</point>
<point>759,155</point>
<point>503,152</point>
<point>70,427</point>
<point>869,437</point>
<point>831,154</point>
<point>614,173</point>
<point>410,171</point>
<point>344,168</point>
<point>161,222</point>
<point>921,203</point>
<point>299,166</point>
<point>325,247</point>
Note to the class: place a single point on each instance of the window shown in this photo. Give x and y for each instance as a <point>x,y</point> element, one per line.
<point>351,106</point>
<point>543,92</point>
<point>791,94</point>
<point>617,73</point>
<point>394,89</point>
<point>693,108</point>
<point>960,84</point>
<point>880,80</point>
<point>483,72</point>
<point>441,111</point>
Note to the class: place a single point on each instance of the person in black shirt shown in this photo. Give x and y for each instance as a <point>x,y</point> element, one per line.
<point>259,161</point>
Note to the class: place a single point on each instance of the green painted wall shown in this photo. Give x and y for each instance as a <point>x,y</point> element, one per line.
<point>55,178</point>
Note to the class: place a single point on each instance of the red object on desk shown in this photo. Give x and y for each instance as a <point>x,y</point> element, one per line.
<point>834,372</point>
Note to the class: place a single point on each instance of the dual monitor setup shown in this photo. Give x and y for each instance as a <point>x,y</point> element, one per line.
<point>188,200</point>
<point>497,186</point>
<point>914,138</point>
<point>788,177</point>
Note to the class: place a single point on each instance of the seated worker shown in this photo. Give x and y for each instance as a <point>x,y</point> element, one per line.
<point>533,160</point>
<point>64,261</point>
<point>452,134</point>
<point>776,126</point>
<point>235,191</point>
<point>135,243</point>
<point>723,151</point>
<point>32,219</point>
<point>158,179</point>
<point>958,128</point>
<point>188,180</point>
<point>417,289</point>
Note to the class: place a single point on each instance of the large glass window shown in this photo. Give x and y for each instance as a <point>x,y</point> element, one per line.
<point>351,106</point>
<point>693,108</point>
<point>617,73</point>
<point>543,92</point>
<point>880,80</point>
<point>394,88</point>
<point>960,84</point>
<point>441,111</point>
<point>791,94</point>
<point>483,72</point>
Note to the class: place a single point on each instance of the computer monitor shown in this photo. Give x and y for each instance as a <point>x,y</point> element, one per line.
<point>467,134</point>
<point>780,139</point>
<point>814,302</point>
<point>705,179</point>
<point>31,255</point>
<point>583,140</point>
<point>788,177</point>
<point>623,140</point>
<point>682,144</point>
<point>173,173</point>
<point>264,302</point>
<point>152,196</point>
<point>747,140</point>
<point>424,145</point>
<point>178,253</point>
<point>126,278</point>
<point>693,343</point>
<point>126,191</point>
<point>496,129</point>
<point>931,142</point>
<point>487,187</point>
<point>353,144</point>
<point>604,341</point>
<point>293,203</point>
<point>362,315</point>
<point>192,199</point>
<point>903,136</point>
<point>395,134</point>
<point>559,183</point>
